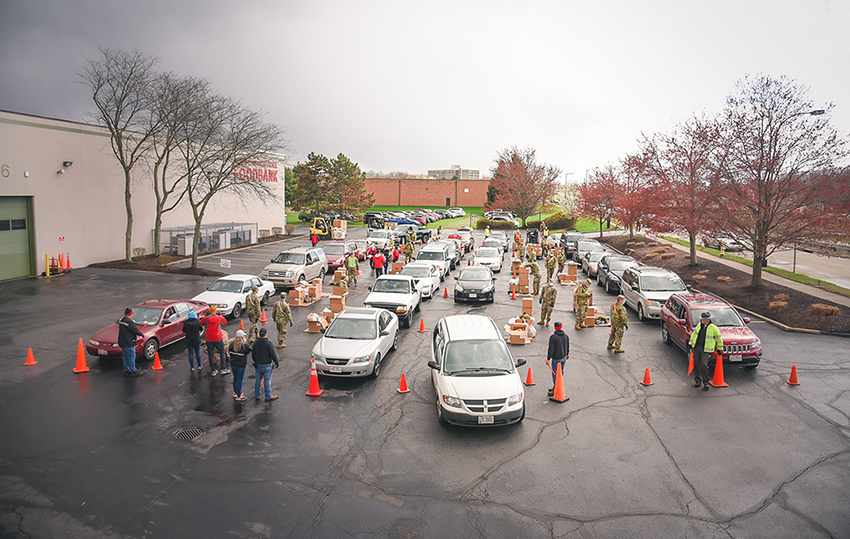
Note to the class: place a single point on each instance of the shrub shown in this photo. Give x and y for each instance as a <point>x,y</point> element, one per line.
<point>264,233</point>
<point>277,231</point>
<point>494,225</point>
<point>289,229</point>
<point>560,220</point>
<point>666,245</point>
<point>724,279</point>
<point>660,250</point>
<point>651,255</point>
<point>640,244</point>
<point>652,244</point>
<point>705,271</point>
<point>668,256</point>
<point>139,252</point>
<point>780,297</point>
<point>828,310</point>
<point>164,260</point>
<point>699,277</point>
<point>630,243</point>
<point>776,305</point>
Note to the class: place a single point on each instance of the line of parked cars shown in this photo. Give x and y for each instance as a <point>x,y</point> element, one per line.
<point>421,217</point>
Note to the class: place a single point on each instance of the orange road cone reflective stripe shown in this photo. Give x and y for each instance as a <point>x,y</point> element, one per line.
<point>81,359</point>
<point>646,380</point>
<point>560,394</point>
<point>242,325</point>
<point>263,319</point>
<point>31,359</point>
<point>513,294</point>
<point>690,362</point>
<point>68,262</point>
<point>718,373</point>
<point>402,388</point>
<point>445,292</point>
<point>421,325</point>
<point>315,390</point>
<point>793,380</point>
<point>157,366</point>
<point>529,381</point>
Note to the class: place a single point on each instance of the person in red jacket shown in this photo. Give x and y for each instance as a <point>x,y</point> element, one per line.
<point>379,262</point>
<point>214,321</point>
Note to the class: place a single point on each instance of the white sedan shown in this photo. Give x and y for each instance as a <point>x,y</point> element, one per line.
<point>356,343</point>
<point>488,257</point>
<point>228,294</point>
<point>428,275</point>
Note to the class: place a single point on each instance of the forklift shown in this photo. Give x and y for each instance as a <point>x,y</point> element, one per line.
<point>322,227</point>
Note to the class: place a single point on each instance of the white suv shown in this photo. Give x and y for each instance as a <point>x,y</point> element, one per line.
<point>475,378</point>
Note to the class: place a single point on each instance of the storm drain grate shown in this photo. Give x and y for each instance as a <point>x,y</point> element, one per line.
<point>188,434</point>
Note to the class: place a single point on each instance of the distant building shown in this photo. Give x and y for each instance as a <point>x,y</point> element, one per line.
<point>431,192</point>
<point>461,173</point>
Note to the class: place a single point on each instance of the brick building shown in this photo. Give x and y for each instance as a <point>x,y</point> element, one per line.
<point>427,192</point>
<point>455,171</point>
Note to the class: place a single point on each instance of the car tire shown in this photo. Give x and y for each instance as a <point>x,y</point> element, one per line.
<point>752,366</point>
<point>265,300</point>
<point>608,286</point>
<point>237,310</point>
<point>150,349</point>
<point>665,334</point>
<point>376,370</point>
<point>440,418</point>
<point>321,274</point>
<point>418,306</point>
<point>395,341</point>
<point>405,322</point>
<point>641,317</point>
<point>300,278</point>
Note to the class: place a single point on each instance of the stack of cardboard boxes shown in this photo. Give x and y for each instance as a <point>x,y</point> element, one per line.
<point>518,329</point>
<point>340,228</point>
<point>396,268</point>
<point>570,273</point>
<point>337,304</point>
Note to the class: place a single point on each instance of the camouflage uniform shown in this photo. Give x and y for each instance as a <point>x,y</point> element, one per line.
<point>547,298</point>
<point>411,237</point>
<point>535,271</point>
<point>408,252</point>
<point>550,267</point>
<point>544,243</point>
<point>582,300</point>
<point>282,315</point>
<point>252,308</point>
<point>343,283</point>
<point>619,323</point>
<point>351,267</point>
<point>562,259</point>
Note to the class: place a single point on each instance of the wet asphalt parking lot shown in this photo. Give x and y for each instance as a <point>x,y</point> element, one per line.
<point>95,454</point>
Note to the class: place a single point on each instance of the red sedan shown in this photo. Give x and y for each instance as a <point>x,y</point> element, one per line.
<point>161,322</point>
<point>336,251</point>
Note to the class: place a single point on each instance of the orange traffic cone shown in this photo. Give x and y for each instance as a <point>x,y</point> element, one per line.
<point>529,381</point>
<point>263,319</point>
<point>560,394</point>
<point>81,359</point>
<point>421,325</point>
<point>690,362</point>
<point>242,325</point>
<point>31,360</point>
<point>445,292</point>
<point>513,294</point>
<point>793,380</point>
<point>68,262</point>
<point>314,391</point>
<point>61,261</point>
<point>157,366</point>
<point>646,379</point>
<point>718,373</point>
<point>402,388</point>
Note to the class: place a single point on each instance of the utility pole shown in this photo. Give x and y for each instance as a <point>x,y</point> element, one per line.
<point>566,181</point>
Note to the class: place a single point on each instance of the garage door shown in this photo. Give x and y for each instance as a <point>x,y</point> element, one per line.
<point>15,224</point>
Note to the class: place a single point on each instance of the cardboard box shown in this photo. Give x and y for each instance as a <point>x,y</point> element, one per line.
<point>590,321</point>
<point>328,315</point>
<point>518,325</point>
<point>556,250</point>
<point>337,304</point>
<point>528,306</point>
<point>513,288</point>
<point>318,284</point>
<point>523,274</point>
<point>314,291</point>
<point>339,291</point>
<point>518,336</point>
<point>515,265</point>
<point>537,248</point>
<point>297,294</point>
<point>316,326</point>
<point>564,278</point>
<point>571,268</point>
<point>396,267</point>
<point>339,275</point>
<point>341,224</point>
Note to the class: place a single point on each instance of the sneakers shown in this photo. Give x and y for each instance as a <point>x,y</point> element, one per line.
<point>242,398</point>
<point>551,392</point>
<point>213,373</point>
<point>225,371</point>
<point>272,398</point>
<point>235,396</point>
<point>697,383</point>
<point>705,387</point>
<point>618,350</point>
<point>136,374</point>
<point>191,369</point>
<point>281,346</point>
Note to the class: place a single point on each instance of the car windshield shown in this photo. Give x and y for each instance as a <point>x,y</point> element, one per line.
<point>225,285</point>
<point>620,265</point>
<point>352,328</point>
<point>333,249</point>
<point>661,283</point>
<point>488,253</point>
<point>475,274</point>
<point>417,272</point>
<point>146,315</point>
<point>392,286</point>
<point>290,258</point>
<point>477,356</point>
<point>379,234</point>
<point>465,235</point>
<point>430,255</point>
<point>499,235</point>
<point>360,244</point>
<point>722,317</point>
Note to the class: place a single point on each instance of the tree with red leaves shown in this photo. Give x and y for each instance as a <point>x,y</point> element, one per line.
<point>778,152</point>
<point>522,185</point>
<point>597,197</point>
<point>638,192</point>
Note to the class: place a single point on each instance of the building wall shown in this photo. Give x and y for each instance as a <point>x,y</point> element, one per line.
<point>427,192</point>
<point>81,212</point>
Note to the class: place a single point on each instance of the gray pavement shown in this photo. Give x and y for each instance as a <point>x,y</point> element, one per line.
<point>94,455</point>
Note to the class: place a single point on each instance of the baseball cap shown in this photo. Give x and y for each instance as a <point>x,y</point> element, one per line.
<point>240,333</point>
<point>705,316</point>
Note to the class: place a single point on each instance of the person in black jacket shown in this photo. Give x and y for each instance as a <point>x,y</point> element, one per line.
<point>127,333</point>
<point>239,349</point>
<point>264,355</point>
<point>192,330</point>
<point>558,354</point>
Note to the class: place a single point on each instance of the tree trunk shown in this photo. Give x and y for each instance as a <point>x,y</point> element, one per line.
<point>693,241</point>
<point>757,260</point>
<point>157,229</point>
<point>128,233</point>
<point>601,220</point>
<point>631,231</point>
<point>195,241</point>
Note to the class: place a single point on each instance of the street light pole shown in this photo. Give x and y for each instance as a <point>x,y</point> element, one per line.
<point>566,180</point>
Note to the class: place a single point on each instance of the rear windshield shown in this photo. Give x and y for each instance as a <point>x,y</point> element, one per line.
<point>430,255</point>
<point>290,258</point>
<point>662,283</point>
<point>333,249</point>
<point>472,356</point>
<point>416,272</point>
<point>621,265</point>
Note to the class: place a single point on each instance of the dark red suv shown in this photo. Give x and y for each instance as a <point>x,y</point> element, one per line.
<point>681,314</point>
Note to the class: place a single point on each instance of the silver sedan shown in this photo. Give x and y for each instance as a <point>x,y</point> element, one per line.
<point>356,342</point>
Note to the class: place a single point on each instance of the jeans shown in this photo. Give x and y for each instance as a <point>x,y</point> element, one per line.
<point>558,364</point>
<point>129,358</point>
<point>238,376</point>
<point>701,366</point>
<point>211,347</point>
<point>263,373</point>
<point>379,270</point>
<point>194,353</point>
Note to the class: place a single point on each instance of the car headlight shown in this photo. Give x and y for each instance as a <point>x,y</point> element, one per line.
<point>115,345</point>
<point>317,357</point>
<point>223,305</point>
<point>454,402</point>
<point>756,344</point>
<point>487,288</point>
<point>288,274</point>
<point>653,303</point>
<point>459,287</point>
<point>94,342</point>
<point>515,399</point>
<point>401,309</point>
<point>362,359</point>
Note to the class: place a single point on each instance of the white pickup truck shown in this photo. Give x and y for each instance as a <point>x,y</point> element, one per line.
<point>399,294</point>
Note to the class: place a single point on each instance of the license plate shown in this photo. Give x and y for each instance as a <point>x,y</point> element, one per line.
<point>473,295</point>
<point>102,353</point>
<point>485,420</point>
<point>736,357</point>
<point>336,370</point>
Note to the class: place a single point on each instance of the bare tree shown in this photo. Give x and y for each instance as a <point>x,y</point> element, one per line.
<point>522,184</point>
<point>121,90</point>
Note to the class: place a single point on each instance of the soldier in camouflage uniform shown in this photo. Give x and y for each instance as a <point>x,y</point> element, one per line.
<point>582,300</point>
<point>535,271</point>
<point>619,323</point>
<point>352,265</point>
<point>550,267</point>
<point>547,299</point>
<point>281,316</point>
<point>562,259</point>
<point>544,244</point>
<point>252,308</point>
<point>411,236</point>
<point>343,283</point>
<point>408,252</point>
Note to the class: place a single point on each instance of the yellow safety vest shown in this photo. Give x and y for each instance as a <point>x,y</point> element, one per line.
<point>713,340</point>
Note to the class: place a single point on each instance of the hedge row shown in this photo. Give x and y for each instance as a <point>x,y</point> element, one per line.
<point>494,225</point>
<point>559,220</point>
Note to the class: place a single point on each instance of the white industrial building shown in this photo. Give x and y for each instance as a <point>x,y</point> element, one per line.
<point>62,191</point>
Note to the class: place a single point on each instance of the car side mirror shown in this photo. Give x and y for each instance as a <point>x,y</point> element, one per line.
<point>433,365</point>
<point>385,332</point>
<point>682,321</point>
<point>272,260</point>
<point>369,288</point>
<point>689,286</point>
<point>747,319</point>
<point>455,277</point>
<point>322,330</point>
<point>520,361</point>
<point>166,322</point>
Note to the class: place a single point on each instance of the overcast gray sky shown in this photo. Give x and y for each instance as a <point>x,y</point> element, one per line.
<point>413,85</point>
